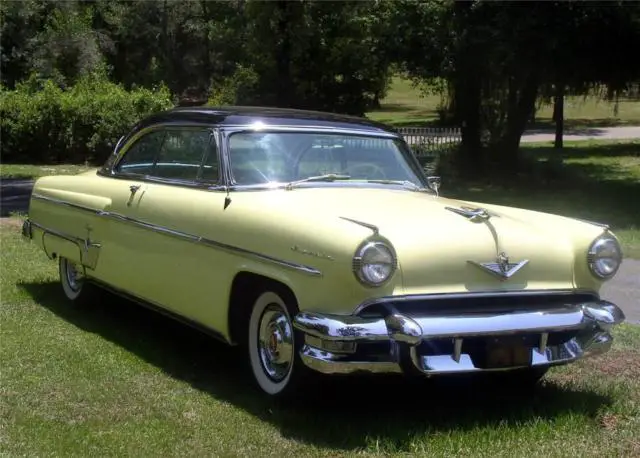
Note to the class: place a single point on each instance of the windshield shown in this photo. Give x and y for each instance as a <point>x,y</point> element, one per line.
<point>260,158</point>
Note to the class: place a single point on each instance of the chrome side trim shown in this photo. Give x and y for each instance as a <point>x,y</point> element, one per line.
<point>186,236</point>
<point>65,203</point>
<point>89,251</point>
<point>212,243</point>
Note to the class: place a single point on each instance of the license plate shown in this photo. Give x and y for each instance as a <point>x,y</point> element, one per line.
<point>508,355</point>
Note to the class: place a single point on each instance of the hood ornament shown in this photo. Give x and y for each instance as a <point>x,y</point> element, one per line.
<point>502,268</point>
<point>474,214</point>
<point>434,183</point>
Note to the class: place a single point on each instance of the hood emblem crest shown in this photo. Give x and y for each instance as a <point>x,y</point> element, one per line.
<point>502,268</point>
<point>473,214</point>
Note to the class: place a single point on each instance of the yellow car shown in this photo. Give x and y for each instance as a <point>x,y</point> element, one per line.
<point>316,242</point>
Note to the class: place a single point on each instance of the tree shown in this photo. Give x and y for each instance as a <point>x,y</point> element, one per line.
<point>500,58</point>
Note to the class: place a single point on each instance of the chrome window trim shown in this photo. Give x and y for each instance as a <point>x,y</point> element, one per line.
<point>221,133</point>
<point>264,127</point>
<point>227,131</point>
<point>186,236</point>
<point>132,138</point>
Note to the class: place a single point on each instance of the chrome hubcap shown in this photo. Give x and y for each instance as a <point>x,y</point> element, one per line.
<point>275,342</point>
<point>75,276</point>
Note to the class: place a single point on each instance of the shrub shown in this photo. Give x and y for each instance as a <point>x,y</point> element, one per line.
<point>238,88</point>
<point>42,123</point>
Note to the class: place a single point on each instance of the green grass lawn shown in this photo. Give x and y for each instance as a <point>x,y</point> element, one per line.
<point>404,105</point>
<point>27,171</point>
<point>114,379</point>
<point>598,181</point>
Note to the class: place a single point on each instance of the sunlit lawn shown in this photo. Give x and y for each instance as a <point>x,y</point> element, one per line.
<point>405,105</point>
<point>114,379</point>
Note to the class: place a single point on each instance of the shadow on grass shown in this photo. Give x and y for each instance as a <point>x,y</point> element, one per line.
<point>597,190</point>
<point>342,413</point>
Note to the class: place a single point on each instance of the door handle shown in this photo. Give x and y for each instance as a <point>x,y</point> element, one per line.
<point>133,188</point>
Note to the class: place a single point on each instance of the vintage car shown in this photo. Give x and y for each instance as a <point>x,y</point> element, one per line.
<point>317,243</point>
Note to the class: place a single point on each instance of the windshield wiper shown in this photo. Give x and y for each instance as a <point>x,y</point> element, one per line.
<point>325,177</point>
<point>405,183</point>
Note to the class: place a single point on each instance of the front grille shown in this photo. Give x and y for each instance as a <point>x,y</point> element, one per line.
<point>471,303</point>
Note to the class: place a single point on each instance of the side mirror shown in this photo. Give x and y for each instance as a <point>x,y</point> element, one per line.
<point>434,183</point>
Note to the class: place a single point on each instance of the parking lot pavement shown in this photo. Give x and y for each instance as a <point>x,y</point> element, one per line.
<point>624,290</point>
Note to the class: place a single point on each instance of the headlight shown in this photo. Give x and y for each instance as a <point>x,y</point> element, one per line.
<point>604,257</point>
<point>374,263</point>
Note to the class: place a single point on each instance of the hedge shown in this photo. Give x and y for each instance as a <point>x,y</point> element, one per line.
<point>81,124</point>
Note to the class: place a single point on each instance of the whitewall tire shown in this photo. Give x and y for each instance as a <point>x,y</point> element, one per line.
<point>73,281</point>
<point>272,345</point>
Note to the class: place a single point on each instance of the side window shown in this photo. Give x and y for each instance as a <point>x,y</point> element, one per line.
<point>182,154</point>
<point>210,167</point>
<point>139,158</point>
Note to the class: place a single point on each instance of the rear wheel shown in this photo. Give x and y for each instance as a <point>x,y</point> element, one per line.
<point>273,346</point>
<point>74,284</point>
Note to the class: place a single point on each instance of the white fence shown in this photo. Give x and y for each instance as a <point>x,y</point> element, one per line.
<point>431,141</point>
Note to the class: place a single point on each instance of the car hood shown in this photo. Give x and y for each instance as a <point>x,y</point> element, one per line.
<point>441,250</point>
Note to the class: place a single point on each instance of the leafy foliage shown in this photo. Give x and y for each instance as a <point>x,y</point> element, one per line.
<point>492,63</point>
<point>41,122</point>
<point>499,59</point>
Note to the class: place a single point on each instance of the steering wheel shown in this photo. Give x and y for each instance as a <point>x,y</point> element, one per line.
<point>367,170</point>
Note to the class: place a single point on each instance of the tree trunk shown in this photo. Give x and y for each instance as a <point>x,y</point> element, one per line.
<point>558,115</point>
<point>283,55</point>
<point>519,112</point>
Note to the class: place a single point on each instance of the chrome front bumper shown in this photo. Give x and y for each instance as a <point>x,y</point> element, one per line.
<point>450,341</point>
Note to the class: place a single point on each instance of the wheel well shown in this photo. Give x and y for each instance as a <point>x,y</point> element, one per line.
<point>244,290</point>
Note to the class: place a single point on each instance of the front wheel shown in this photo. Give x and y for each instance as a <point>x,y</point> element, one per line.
<point>74,283</point>
<point>273,347</point>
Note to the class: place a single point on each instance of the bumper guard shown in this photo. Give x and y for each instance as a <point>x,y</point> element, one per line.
<point>448,343</point>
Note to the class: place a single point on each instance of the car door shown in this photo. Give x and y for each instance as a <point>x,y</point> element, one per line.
<point>121,265</point>
<point>179,199</point>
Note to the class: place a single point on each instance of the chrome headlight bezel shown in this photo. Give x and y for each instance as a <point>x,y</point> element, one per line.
<point>360,263</point>
<point>594,256</point>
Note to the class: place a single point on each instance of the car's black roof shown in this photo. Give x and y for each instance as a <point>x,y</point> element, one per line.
<point>242,115</point>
